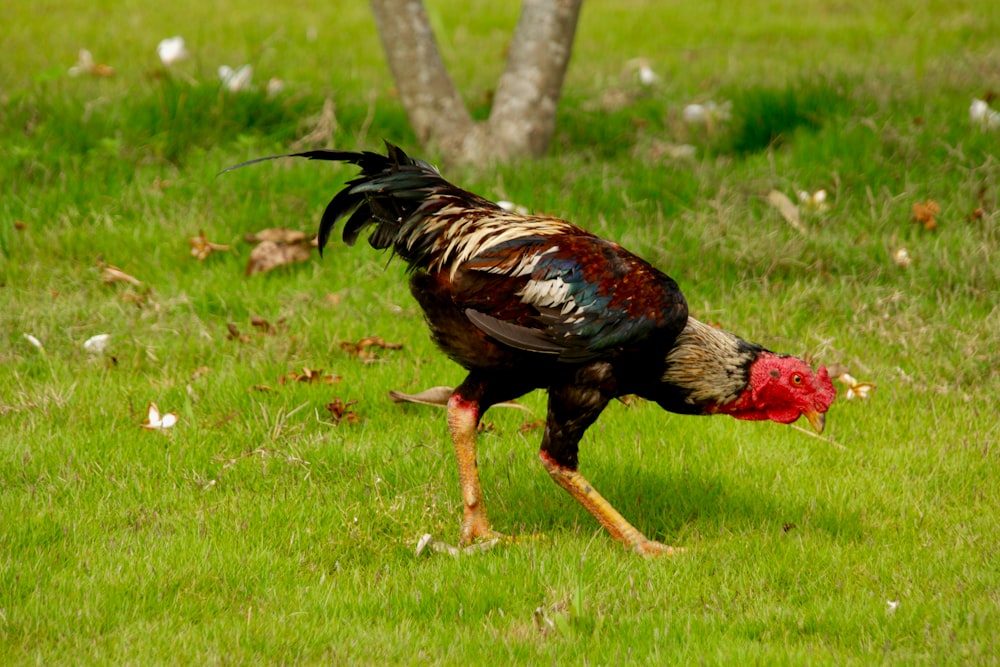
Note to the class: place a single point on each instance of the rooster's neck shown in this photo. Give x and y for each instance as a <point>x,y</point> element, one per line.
<point>711,367</point>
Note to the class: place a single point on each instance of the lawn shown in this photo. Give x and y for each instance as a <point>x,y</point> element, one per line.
<point>277,521</point>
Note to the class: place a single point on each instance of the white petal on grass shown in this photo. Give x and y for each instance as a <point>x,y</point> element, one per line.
<point>708,114</point>
<point>274,86</point>
<point>512,207</point>
<point>157,422</point>
<point>34,342</point>
<point>84,63</point>
<point>236,80</point>
<point>97,344</point>
<point>815,202</point>
<point>172,50</point>
<point>695,114</point>
<point>982,115</point>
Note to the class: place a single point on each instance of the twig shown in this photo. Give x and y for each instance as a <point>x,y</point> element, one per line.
<point>819,437</point>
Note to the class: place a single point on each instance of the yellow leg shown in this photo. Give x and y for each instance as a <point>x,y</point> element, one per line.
<point>601,509</point>
<point>463,418</point>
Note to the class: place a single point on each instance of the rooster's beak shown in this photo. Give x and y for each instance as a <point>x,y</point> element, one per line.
<point>817,419</point>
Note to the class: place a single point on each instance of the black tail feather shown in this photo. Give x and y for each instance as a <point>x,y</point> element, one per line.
<point>389,190</point>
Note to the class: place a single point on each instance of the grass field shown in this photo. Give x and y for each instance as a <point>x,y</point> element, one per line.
<point>260,529</point>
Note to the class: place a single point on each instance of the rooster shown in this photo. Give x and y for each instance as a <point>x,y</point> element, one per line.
<point>528,302</point>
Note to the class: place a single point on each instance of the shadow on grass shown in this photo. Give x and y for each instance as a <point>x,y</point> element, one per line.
<point>665,506</point>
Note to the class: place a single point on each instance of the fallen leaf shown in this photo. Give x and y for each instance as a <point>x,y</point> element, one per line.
<point>435,396</point>
<point>234,333</point>
<point>427,541</point>
<point>309,375</point>
<point>270,255</point>
<point>362,348</point>
<point>339,412</point>
<point>528,427</point>
<point>156,422</point>
<point>926,213</point>
<point>201,247</point>
<point>277,235</point>
<point>438,397</point>
<point>112,274</point>
<point>787,208</point>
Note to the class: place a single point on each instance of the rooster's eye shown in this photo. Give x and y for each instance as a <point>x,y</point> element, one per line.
<point>797,379</point>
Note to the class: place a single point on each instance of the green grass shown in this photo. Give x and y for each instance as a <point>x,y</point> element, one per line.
<point>257,530</point>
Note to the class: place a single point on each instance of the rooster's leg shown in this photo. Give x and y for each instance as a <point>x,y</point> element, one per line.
<point>601,509</point>
<point>463,419</point>
<point>572,409</point>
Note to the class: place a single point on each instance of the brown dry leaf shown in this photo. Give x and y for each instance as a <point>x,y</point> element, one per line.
<point>339,412</point>
<point>278,235</point>
<point>262,324</point>
<point>787,208</point>
<point>260,387</point>
<point>363,348</point>
<point>20,225</point>
<point>201,247</point>
<point>234,333</point>
<point>309,375</point>
<point>528,427</point>
<point>438,397</point>
<point>112,274</point>
<point>270,255</point>
<point>926,213</point>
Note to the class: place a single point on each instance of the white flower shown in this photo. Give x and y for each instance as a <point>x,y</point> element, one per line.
<point>236,80</point>
<point>97,344</point>
<point>901,258</point>
<point>171,50</point>
<point>982,115</point>
<point>156,422</point>
<point>855,389</point>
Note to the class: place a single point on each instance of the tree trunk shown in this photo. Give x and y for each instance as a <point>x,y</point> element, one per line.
<point>523,116</point>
